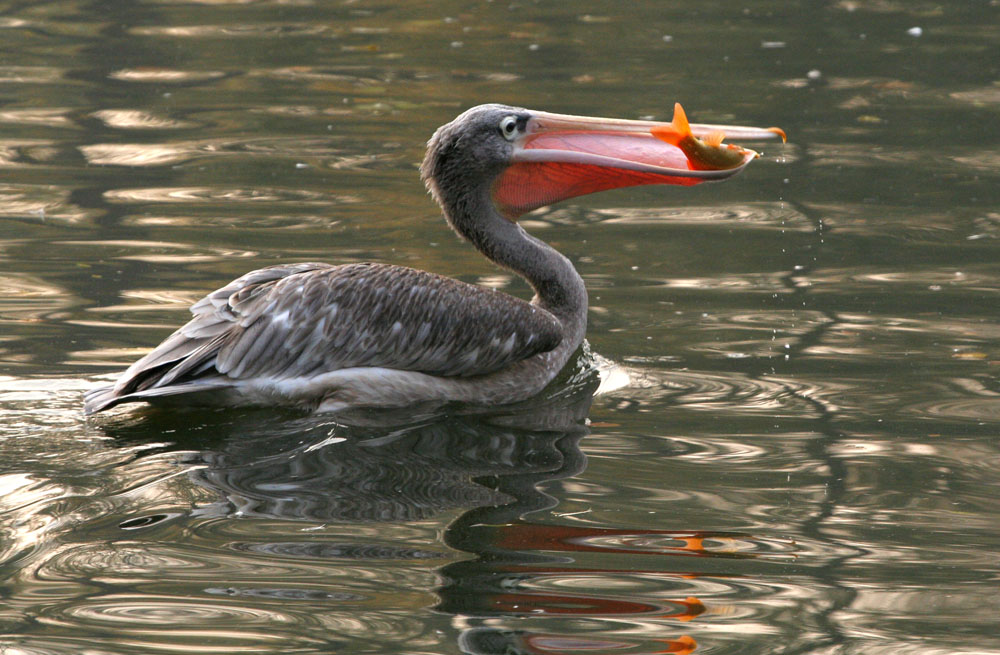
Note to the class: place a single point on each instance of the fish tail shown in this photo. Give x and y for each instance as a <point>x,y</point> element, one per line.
<point>680,121</point>
<point>676,130</point>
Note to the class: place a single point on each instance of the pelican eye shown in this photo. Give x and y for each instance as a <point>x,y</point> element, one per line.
<point>508,127</point>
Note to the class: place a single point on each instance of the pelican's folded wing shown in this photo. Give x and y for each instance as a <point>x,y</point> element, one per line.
<point>301,320</point>
<point>379,315</point>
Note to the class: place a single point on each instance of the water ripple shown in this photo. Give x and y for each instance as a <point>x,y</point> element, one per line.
<point>125,561</point>
<point>282,593</point>
<point>975,409</point>
<point>325,550</point>
<point>756,215</point>
<point>50,116</point>
<point>719,545</point>
<point>150,612</point>
<point>859,156</point>
<point>332,77</point>
<point>771,283</point>
<point>730,392</point>
<point>174,152</point>
<point>28,153</point>
<point>984,160</point>
<point>987,95</point>
<point>223,195</point>
<point>124,154</point>
<point>247,30</point>
<point>24,298</point>
<point>160,251</point>
<point>165,623</point>
<point>138,119</point>
<point>896,222</point>
<point>39,203</point>
<point>30,74</point>
<point>262,220</point>
<point>164,75</point>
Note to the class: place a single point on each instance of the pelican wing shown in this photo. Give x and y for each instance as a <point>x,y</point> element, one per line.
<point>307,319</point>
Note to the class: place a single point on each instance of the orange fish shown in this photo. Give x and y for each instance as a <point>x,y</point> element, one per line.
<point>705,154</point>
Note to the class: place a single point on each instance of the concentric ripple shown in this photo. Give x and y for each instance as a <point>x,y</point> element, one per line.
<point>719,392</point>
<point>126,561</point>
<point>151,612</point>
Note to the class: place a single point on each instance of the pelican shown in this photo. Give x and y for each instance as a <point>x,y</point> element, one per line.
<point>328,338</point>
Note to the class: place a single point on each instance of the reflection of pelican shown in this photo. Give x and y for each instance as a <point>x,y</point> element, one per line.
<point>333,337</point>
<point>275,465</point>
<point>329,529</point>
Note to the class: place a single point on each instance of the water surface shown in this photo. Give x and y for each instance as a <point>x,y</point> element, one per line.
<point>793,448</point>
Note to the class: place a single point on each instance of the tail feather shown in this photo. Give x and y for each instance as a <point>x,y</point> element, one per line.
<point>99,399</point>
<point>102,398</point>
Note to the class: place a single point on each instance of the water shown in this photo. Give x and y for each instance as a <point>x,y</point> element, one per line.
<point>794,448</point>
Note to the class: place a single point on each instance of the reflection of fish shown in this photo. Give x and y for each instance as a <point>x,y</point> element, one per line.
<point>683,645</point>
<point>706,154</point>
<point>692,608</point>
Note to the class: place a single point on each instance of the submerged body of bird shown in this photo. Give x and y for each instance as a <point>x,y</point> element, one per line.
<point>328,337</point>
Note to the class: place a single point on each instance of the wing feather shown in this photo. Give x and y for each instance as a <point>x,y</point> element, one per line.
<point>304,319</point>
<point>188,348</point>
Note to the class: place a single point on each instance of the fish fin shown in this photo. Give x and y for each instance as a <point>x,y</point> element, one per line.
<point>714,139</point>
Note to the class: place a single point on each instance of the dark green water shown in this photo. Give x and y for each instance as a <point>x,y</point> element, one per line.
<point>795,447</point>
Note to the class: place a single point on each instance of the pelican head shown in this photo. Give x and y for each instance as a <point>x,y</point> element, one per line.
<point>525,159</point>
